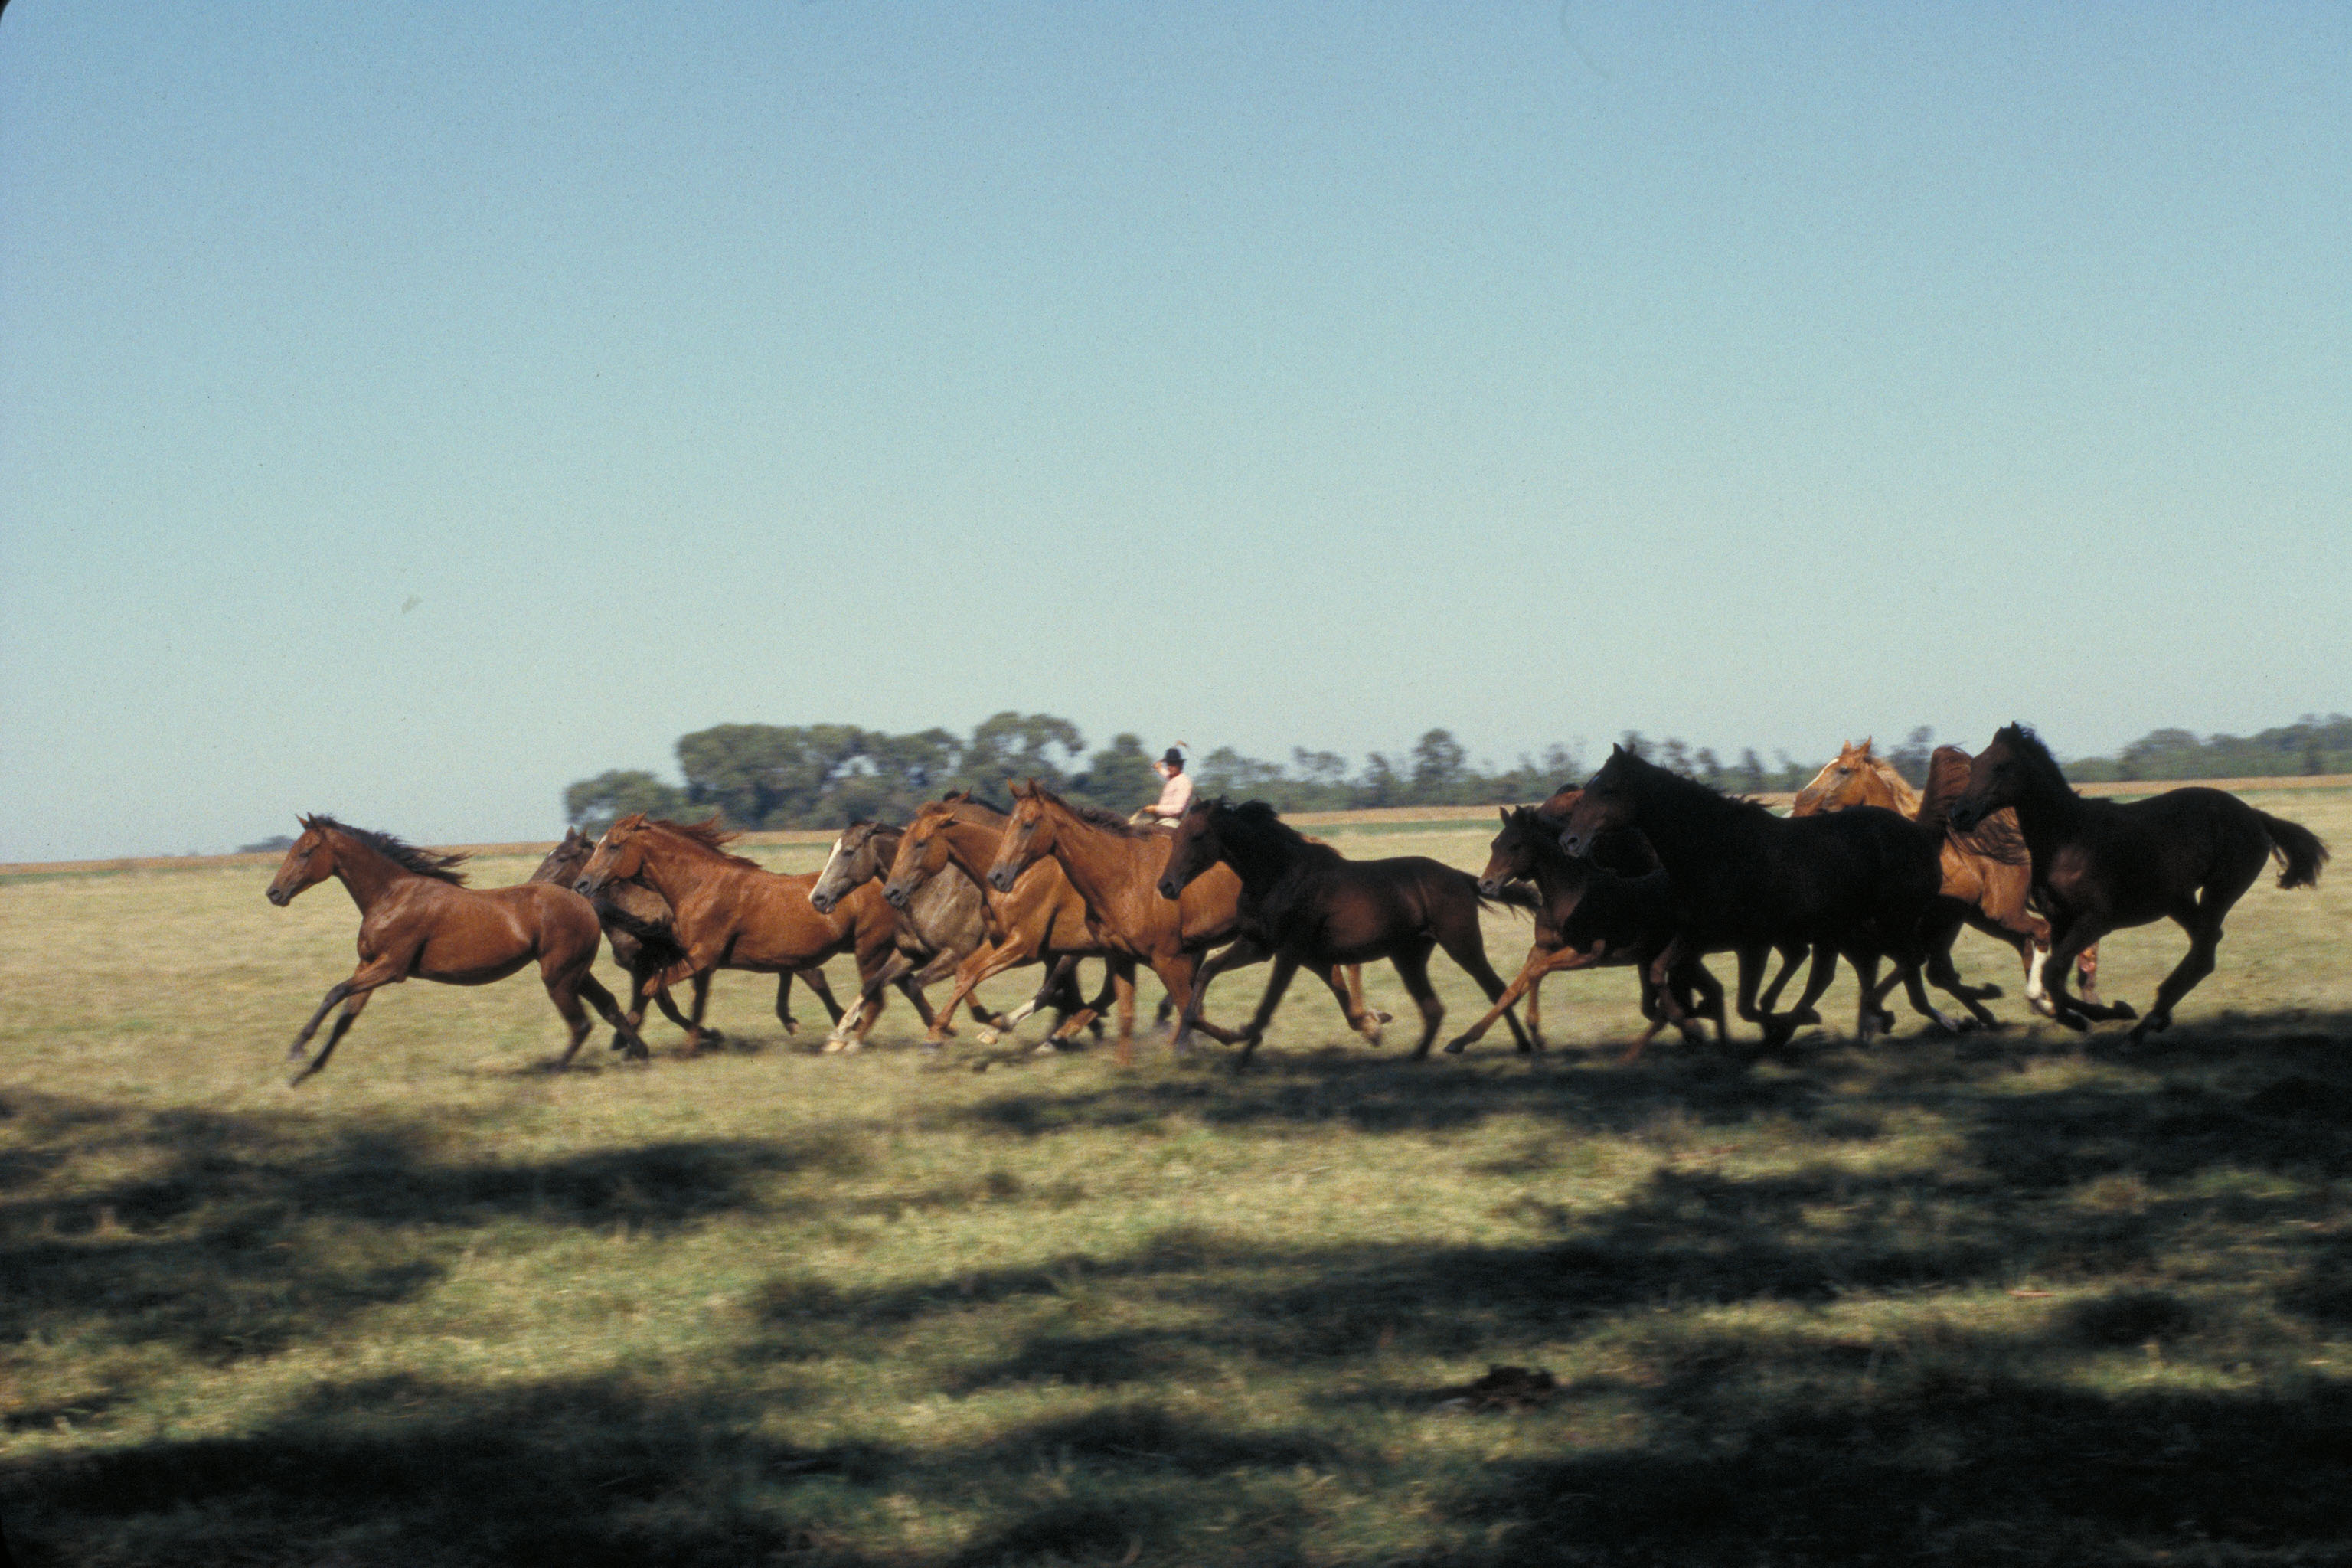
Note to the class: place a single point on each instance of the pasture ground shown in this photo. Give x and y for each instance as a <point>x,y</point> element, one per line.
<point>2003,1298</point>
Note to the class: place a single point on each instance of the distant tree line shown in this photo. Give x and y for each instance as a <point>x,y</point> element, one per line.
<point>827,775</point>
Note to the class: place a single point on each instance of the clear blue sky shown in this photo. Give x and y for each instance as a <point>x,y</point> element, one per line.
<point>405,411</point>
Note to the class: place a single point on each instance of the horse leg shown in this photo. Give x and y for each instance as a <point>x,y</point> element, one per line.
<point>2202,921</point>
<point>1284,966</point>
<point>567,1002</point>
<point>1412,968</point>
<point>1538,965</point>
<point>2086,973</point>
<point>1059,990</point>
<point>849,1030</point>
<point>1467,948</point>
<point>1663,963</point>
<point>2078,933</point>
<point>1778,1030</point>
<point>700,984</point>
<point>1350,999</point>
<point>352,994</point>
<point>1866,1014</point>
<point>1240,953</point>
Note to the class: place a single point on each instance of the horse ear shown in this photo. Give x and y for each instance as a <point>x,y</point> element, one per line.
<point>1505,813</point>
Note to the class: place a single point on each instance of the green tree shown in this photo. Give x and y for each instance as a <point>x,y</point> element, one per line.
<point>1119,777</point>
<point>1010,746</point>
<point>1440,767</point>
<point>593,805</point>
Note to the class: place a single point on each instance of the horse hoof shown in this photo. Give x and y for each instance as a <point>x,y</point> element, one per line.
<point>986,1036</point>
<point>2124,1010</point>
<point>1380,1017</point>
<point>1453,1047</point>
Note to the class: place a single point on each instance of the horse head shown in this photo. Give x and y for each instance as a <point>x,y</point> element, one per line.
<point>1606,802</point>
<point>1511,856</point>
<point>2000,775</point>
<point>856,858</point>
<point>922,851</point>
<point>1838,784</point>
<point>1028,833</point>
<point>309,862</point>
<point>563,862</point>
<point>1194,849</point>
<point>619,856</point>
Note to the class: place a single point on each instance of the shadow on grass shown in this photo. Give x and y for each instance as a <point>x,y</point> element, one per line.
<point>243,1235</point>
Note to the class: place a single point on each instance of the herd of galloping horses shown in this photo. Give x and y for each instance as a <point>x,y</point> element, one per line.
<point>1638,867</point>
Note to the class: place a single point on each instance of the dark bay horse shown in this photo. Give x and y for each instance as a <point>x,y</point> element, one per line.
<point>1985,870</point>
<point>1312,907</point>
<point>733,913</point>
<point>419,920</point>
<point>943,924</point>
<point>1854,884</point>
<point>637,922</point>
<point>1589,914</point>
<point>2187,855</point>
<point>1042,919</point>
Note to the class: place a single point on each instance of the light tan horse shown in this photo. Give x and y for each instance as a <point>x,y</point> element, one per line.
<point>729,912</point>
<point>1985,871</point>
<point>417,920</point>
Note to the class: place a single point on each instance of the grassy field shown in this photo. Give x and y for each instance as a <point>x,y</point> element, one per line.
<point>2005,1299</point>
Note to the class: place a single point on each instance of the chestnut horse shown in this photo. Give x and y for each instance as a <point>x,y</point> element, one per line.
<point>1115,868</point>
<point>641,929</point>
<point>733,913</point>
<point>1857,884</point>
<point>1308,905</point>
<point>942,925</point>
<point>1042,919</point>
<point>1588,914</point>
<point>1985,871</point>
<point>2186,854</point>
<point>417,918</point>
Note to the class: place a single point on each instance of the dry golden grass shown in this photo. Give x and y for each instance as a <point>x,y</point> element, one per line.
<point>1998,1299</point>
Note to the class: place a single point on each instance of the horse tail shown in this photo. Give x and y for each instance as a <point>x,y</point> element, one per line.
<point>1515,895</point>
<point>2298,849</point>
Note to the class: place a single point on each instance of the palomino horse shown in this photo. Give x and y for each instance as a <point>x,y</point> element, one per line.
<point>2186,854</point>
<point>1308,905</point>
<point>1985,871</point>
<point>418,919</point>
<point>1856,884</point>
<point>734,913</point>
<point>1588,914</point>
<point>942,925</point>
<point>1041,920</point>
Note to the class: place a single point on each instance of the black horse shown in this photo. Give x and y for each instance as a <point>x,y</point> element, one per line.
<point>1853,884</point>
<point>1309,905</point>
<point>2186,854</point>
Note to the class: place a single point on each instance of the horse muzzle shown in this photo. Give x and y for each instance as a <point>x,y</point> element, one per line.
<point>1002,878</point>
<point>1575,843</point>
<point>1171,888</point>
<point>1963,818</point>
<point>278,896</point>
<point>896,894</point>
<point>821,903</point>
<point>1489,887</point>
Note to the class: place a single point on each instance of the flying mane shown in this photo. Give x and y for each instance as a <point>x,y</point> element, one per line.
<point>1099,817</point>
<point>407,857</point>
<point>709,835</point>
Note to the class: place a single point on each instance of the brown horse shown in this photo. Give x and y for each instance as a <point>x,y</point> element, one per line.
<point>942,925</point>
<point>1986,873</point>
<point>1309,906</point>
<point>418,919</point>
<point>1588,914</point>
<point>641,931</point>
<point>2186,854</point>
<point>734,913</point>
<point>1041,921</point>
<point>1115,868</point>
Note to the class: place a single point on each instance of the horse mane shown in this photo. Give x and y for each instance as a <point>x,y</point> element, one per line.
<point>1699,794</point>
<point>406,855</point>
<point>1907,799</point>
<point>707,835</point>
<point>1997,837</point>
<point>1097,817</point>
